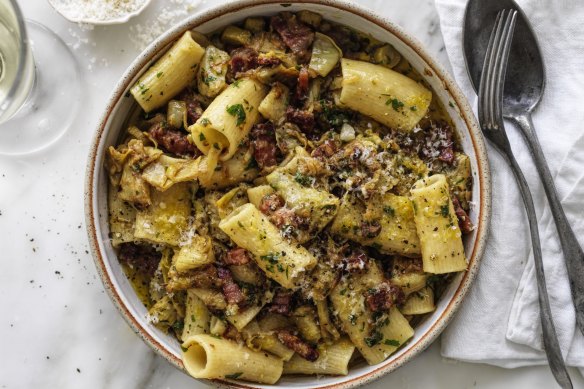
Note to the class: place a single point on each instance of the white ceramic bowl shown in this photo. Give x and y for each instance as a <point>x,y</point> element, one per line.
<point>347,13</point>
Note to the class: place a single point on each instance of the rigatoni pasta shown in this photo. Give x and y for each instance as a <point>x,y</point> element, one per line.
<point>384,94</point>
<point>281,261</point>
<point>437,226</point>
<point>287,209</point>
<point>229,118</point>
<point>210,357</point>
<point>169,75</point>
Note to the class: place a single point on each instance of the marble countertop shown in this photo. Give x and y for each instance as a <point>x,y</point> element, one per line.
<point>58,328</point>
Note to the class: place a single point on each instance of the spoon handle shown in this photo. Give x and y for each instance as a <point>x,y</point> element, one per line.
<point>573,254</point>
<point>550,339</point>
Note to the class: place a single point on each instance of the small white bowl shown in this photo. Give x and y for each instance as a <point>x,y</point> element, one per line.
<point>353,15</point>
<point>119,19</point>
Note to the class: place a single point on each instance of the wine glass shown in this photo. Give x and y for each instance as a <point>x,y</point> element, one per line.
<point>40,88</point>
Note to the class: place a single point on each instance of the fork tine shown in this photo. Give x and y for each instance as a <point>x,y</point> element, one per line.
<point>484,85</point>
<point>502,54</point>
<point>494,69</point>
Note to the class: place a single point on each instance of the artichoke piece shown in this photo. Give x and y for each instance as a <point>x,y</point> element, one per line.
<point>212,70</point>
<point>163,314</point>
<point>132,159</point>
<point>325,55</point>
<point>236,36</point>
<point>305,319</point>
<point>254,24</point>
<point>273,106</point>
<point>386,55</point>
<point>176,115</point>
<point>311,18</point>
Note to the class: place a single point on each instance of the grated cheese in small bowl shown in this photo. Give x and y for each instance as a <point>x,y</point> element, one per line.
<point>99,11</point>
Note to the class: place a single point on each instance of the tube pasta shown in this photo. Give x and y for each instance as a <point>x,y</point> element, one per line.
<point>375,339</point>
<point>244,317</point>
<point>169,75</point>
<point>333,360</point>
<point>385,95</point>
<point>437,226</point>
<point>217,326</point>
<point>393,213</point>
<point>410,282</point>
<point>327,329</point>
<point>257,193</point>
<point>197,316</point>
<point>229,118</point>
<point>419,302</point>
<point>281,261</point>
<point>210,357</point>
<point>212,298</point>
<point>165,220</point>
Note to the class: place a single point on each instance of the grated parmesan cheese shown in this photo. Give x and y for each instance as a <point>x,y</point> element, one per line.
<point>142,34</point>
<point>97,10</point>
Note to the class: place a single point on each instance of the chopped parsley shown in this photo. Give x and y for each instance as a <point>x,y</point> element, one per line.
<point>391,342</point>
<point>184,349</point>
<point>216,146</point>
<point>374,339</point>
<point>444,210</point>
<point>303,179</point>
<point>207,78</point>
<point>236,83</point>
<point>451,104</point>
<point>413,108</point>
<point>395,104</point>
<point>234,376</point>
<point>237,111</point>
<point>202,137</point>
<point>205,122</point>
<point>272,259</point>
<point>389,210</point>
<point>332,115</point>
<point>353,319</point>
<point>159,74</point>
<point>252,164</point>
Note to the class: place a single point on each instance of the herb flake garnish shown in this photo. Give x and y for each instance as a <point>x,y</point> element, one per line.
<point>395,104</point>
<point>237,111</point>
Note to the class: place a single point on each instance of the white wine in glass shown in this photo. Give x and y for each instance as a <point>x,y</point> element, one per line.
<point>40,88</point>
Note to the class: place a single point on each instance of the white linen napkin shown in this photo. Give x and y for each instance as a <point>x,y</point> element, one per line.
<point>499,321</point>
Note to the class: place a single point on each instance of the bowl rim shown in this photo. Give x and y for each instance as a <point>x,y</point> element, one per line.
<point>483,180</point>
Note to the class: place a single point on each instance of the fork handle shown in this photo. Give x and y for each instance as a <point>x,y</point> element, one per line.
<point>573,254</point>
<point>550,339</point>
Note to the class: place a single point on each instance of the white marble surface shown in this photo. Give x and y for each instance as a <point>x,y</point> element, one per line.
<point>58,328</point>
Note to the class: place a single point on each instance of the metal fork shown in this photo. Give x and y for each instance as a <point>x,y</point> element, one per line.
<point>491,120</point>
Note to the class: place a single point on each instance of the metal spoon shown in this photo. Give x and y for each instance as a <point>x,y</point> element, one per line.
<point>523,90</point>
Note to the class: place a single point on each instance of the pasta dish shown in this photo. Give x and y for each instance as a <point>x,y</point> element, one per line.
<point>288,198</point>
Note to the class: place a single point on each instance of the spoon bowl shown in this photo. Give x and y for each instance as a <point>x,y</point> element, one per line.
<point>524,85</point>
